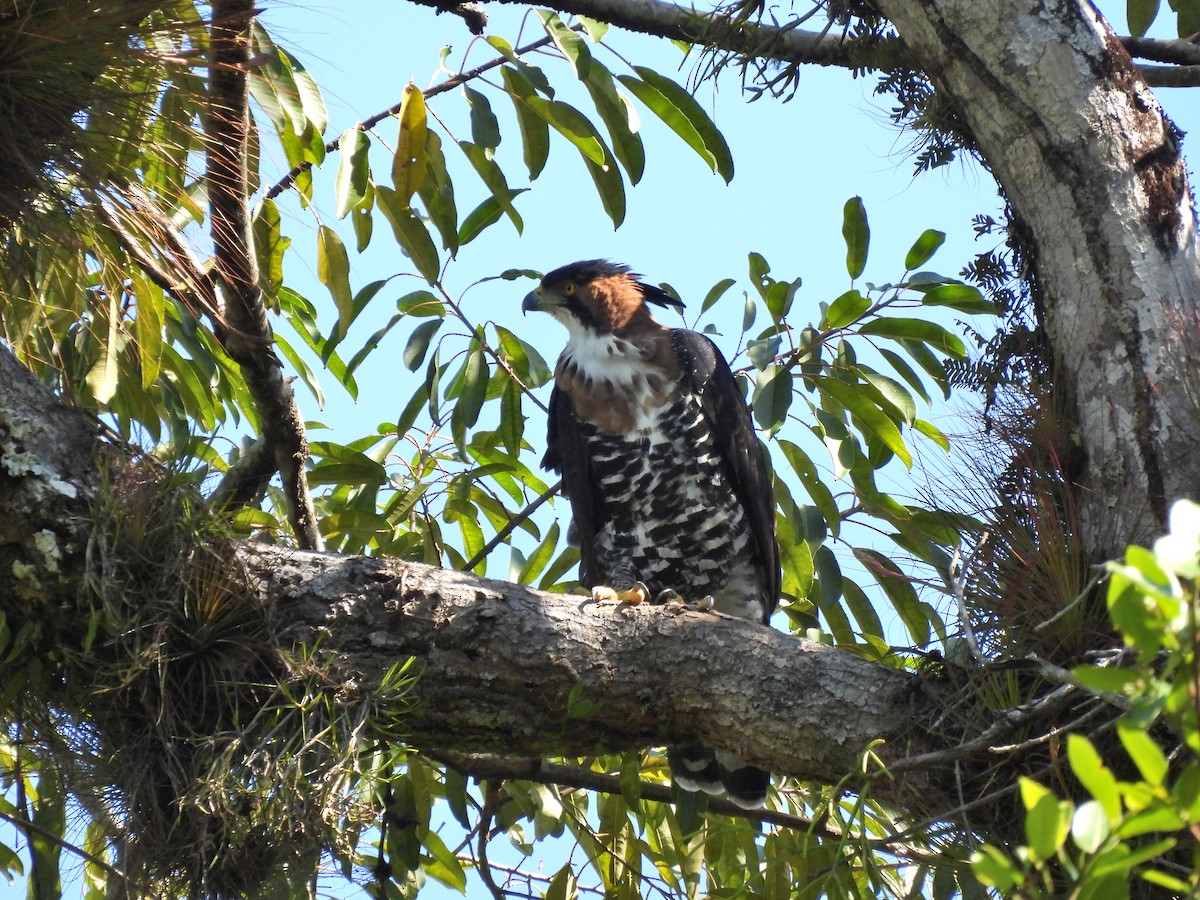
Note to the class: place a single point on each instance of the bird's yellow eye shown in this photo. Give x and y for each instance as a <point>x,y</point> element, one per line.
<point>569,288</point>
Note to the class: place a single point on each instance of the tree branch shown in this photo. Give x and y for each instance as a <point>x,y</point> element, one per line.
<point>786,44</point>
<point>235,267</point>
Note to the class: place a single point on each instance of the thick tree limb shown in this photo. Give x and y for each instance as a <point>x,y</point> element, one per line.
<point>235,268</point>
<point>510,670</point>
<point>787,44</point>
<point>503,668</point>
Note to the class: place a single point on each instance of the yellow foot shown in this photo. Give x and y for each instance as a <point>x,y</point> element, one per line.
<point>602,593</point>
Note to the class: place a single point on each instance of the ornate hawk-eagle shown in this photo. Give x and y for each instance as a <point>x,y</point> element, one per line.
<point>669,488</point>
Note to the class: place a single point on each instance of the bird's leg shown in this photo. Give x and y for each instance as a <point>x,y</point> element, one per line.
<point>638,593</point>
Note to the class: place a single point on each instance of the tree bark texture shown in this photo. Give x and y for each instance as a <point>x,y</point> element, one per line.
<point>510,670</point>
<point>1093,171</point>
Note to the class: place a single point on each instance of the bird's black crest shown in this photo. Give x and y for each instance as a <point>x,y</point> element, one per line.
<point>590,269</point>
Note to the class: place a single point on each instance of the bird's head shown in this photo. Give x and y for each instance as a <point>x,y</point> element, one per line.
<point>598,296</point>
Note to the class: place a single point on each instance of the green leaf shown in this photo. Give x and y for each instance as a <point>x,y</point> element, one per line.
<point>303,369</point>
<point>961,297</point>
<point>269,246</point>
<point>762,353</point>
<point>620,120</point>
<point>103,377</point>
<point>772,398</point>
<point>806,471</point>
<point>1143,751</point>
<point>444,865</point>
<point>484,215</point>
<point>437,193</point>
<point>862,609</point>
<point>596,30</point>
<point>796,558</point>
<point>1141,15</point>
<point>683,115</point>
<point>410,163</point>
<point>333,269</point>
<point>857,235</point>
<point>869,417</point>
<point>472,387</point>
<point>491,175</point>
<point>418,343</point>
<point>899,591</point>
<point>924,248</point>
<point>905,371</point>
<point>845,309</point>
<point>568,42</point>
<point>1094,775</point>
<point>149,323</point>
<point>917,330</point>
<point>485,128</point>
<point>893,393</point>
<point>410,233</point>
<point>715,293</point>
<point>354,171</point>
<point>1047,821</point>
<point>571,124</point>
<point>931,431</point>
<point>828,599</point>
<point>535,132</point>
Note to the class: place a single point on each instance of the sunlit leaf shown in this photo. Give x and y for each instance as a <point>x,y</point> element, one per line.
<point>570,44</point>
<point>354,171</point>
<point>491,175</point>
<point>410,232</point>
<point>683,115</point>
<point>847,308</point>
<point>855,401</point>
<point>620,120</point>
<point>919,330</point>
<point>535,132</point>
<point>484,215</point>
<point>409,164</point>
<point>923,249</point>
<point>333,269</point>
<point>149,325</point>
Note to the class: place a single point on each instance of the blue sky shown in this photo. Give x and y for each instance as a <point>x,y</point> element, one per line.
<point>796,165</point>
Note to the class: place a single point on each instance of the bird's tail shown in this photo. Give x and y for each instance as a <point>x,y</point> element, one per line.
<point>715,772</point>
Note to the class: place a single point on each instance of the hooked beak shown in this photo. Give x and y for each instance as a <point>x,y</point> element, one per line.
<point>531,302</point>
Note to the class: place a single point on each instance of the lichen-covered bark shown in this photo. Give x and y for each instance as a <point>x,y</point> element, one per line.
<point>47,472</point>
<point>1093,171</point>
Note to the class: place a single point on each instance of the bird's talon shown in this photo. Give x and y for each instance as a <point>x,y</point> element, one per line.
<point>602,593</point>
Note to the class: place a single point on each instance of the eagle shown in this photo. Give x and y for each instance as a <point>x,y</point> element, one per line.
<point>669,488</point>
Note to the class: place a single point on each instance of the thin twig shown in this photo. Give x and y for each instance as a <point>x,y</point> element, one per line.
<point>513,523</point>
<point>371,121</point>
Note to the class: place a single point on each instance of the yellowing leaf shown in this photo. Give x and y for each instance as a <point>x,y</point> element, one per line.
<point>408,166</point>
